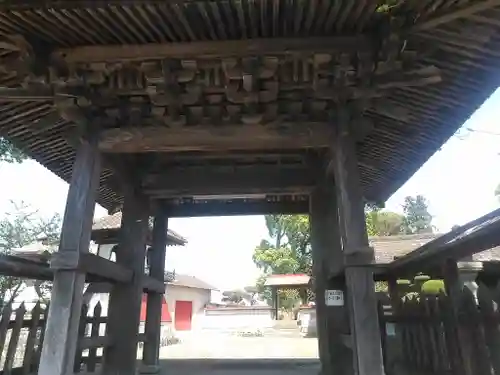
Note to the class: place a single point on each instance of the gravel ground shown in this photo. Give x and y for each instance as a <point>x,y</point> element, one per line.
<point>277,352</point>
<point>227,346</point>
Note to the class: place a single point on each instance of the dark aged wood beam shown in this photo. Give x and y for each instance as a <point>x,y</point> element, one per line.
<point>462,12</point>
<point>229,48</point>
<point>91,264</point>
<point>212,138</point>
<point>125,299</point>
<point>61,333</point>
<point>332,321</point>
<point>262,179</point>
<point>218,208</point>
<point>152,327</point>
<point>358,256</point>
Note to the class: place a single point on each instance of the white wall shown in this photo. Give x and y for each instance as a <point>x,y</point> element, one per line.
<point>237,318</point>
<point>200,298</point>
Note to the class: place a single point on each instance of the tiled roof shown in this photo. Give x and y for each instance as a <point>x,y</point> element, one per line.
<point>113,222</point>
<point>387,248</point>
<point>190,282</point>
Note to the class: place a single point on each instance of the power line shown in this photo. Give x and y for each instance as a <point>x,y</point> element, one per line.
<point>487,132</point>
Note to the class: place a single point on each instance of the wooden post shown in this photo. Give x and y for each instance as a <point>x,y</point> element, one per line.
<point>456,338</point>
<point>358,255</point>
<point>331,321</point>
<point>275,302</point>
<point>151,352</point>
<point>61,334</point>
<point>125,299</point>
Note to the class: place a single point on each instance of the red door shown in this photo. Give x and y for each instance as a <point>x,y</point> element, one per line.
<point>183,315</point>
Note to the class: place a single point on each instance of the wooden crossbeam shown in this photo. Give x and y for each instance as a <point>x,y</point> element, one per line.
<point>212,138</point>
<point>228,48</point>
<point>197,181</point>
<point>91,264</point>
<point>218,208</point>
<point>463,12</point>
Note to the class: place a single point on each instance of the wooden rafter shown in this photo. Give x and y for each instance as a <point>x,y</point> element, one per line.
<point>463,12</point>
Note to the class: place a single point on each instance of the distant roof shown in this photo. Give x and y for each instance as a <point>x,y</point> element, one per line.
<point>287,279</point>
<point>190,282</point>
<point>389,247</point>
<point>185,281</point>
<point>113,223</point>
<point>386,249</point>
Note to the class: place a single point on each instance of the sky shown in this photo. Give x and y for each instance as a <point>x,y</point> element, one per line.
<point>457,181</point>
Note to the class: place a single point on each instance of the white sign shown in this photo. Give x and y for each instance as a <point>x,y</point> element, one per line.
<point>334,298</point>
<point>390,329</point>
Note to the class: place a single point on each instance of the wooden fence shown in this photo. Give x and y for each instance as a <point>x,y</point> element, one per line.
<point>440,337</point>
<point>23,332</point>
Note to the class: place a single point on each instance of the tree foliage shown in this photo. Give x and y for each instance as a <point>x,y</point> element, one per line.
<point>383,223</point>
<point>9,153</point>
<point>417,218</point>
<point>497,192</point>
<point>288,251</point>
<point>21,226</point>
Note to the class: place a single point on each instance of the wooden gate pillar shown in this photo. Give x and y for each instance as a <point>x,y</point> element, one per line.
<point>125,298</point>
<point>151,352</point>
<point>61,334</point>
<point>331,321</point>
<point>358,255</point>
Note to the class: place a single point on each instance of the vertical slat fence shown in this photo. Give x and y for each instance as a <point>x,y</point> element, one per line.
<point>22,334</point>
<point>428,325</point>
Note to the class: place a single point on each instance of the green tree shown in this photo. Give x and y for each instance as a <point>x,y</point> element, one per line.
<point>497,192</point>
<point>22,225</point>
<point>9,153</point>
<point>417,217</point>
<point>383,223</point>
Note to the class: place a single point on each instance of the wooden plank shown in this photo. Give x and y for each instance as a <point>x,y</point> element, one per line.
<point>478,354</point>
<point>125,299</point>
<point>456,339</point>
<point>94,335</point>
<point>29,353</point>
<point>264,179</point>
<point>236,207</point>
<point>360,285</point>
<point>152,327</point>
<point>4,325</point>
<point>58,353</point>
<point>81,335</point>
<point>492,334</point>
<point>210,49</point>
<point>215,138</point>
<point>462,12</point>
<point>332,321</point>
<point>14,340</point>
